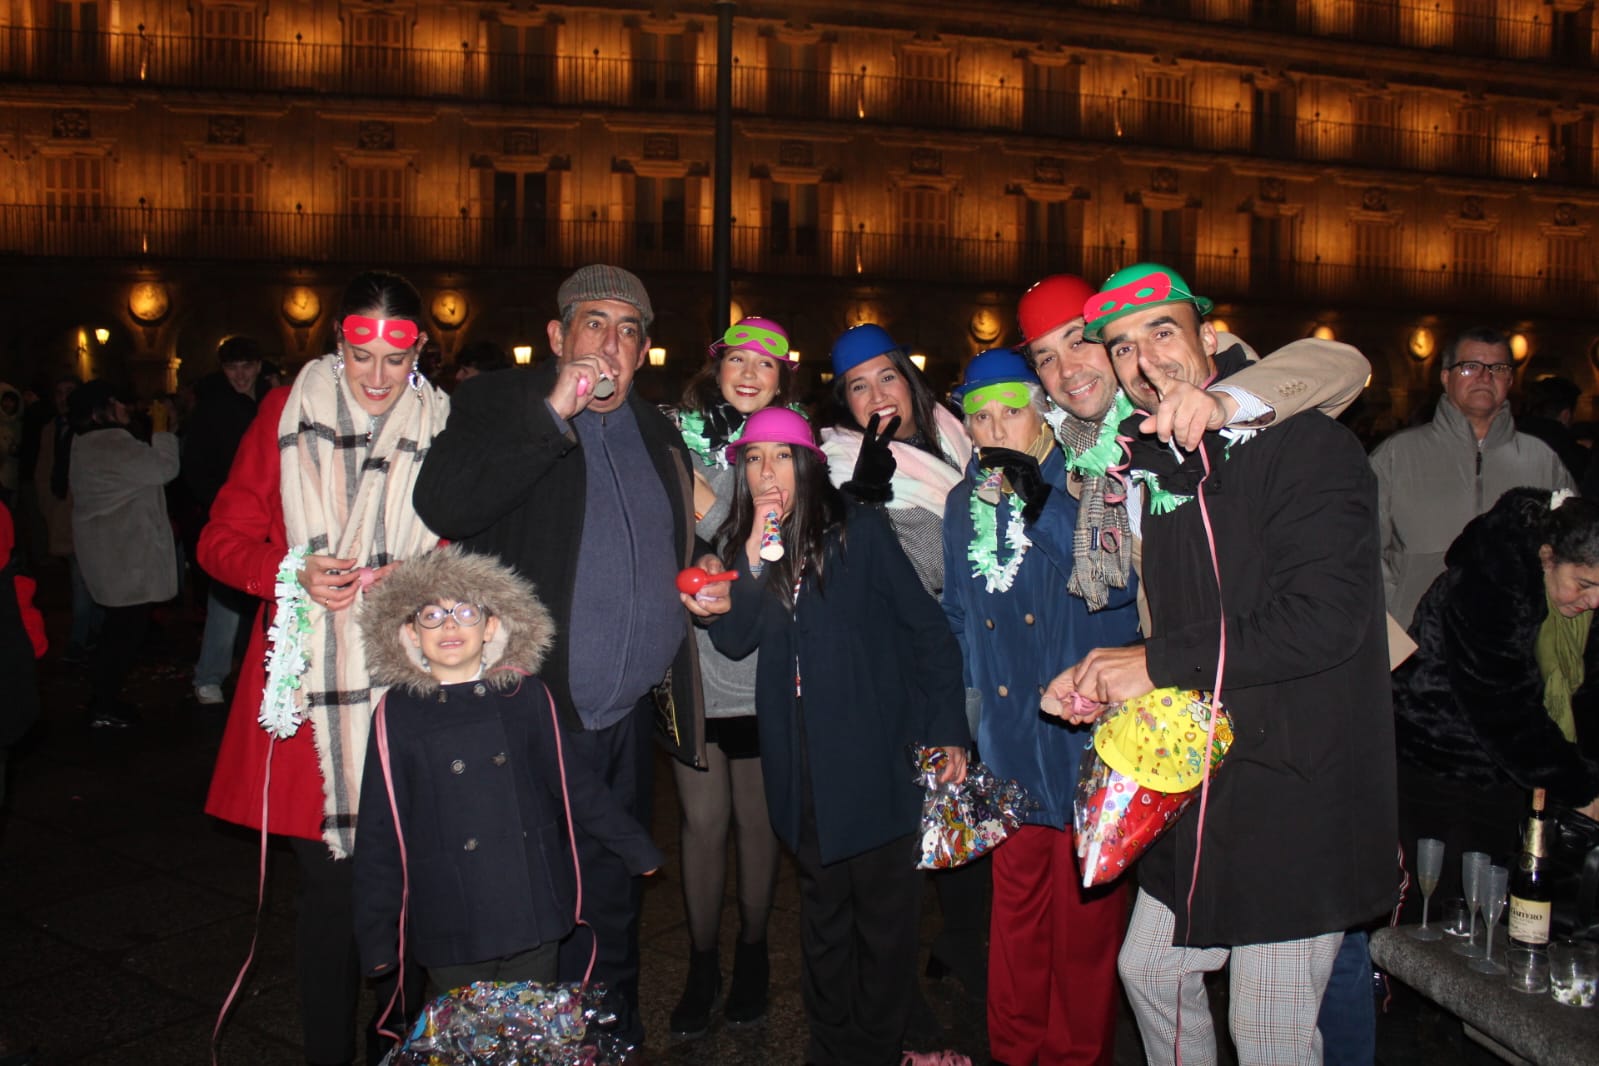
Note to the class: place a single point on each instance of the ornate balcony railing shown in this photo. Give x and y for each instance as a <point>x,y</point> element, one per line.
<point>296,238</point>
<point>589,81</point>
<point>1457,27</point>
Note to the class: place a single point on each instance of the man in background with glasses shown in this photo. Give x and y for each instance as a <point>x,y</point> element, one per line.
<point>1435,478</point>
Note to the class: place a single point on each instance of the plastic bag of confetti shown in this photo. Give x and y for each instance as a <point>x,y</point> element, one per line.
<point>513,1024</point>
<point>965,821</point>
<point>1146,766</point>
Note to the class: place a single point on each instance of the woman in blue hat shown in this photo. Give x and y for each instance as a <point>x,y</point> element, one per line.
<point>1008,533</point>
<point>895,446</point>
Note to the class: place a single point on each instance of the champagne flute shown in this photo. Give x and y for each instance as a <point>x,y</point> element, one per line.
<point>1472,865</point>
<point>1496,885</point>
<point>1429,865</point>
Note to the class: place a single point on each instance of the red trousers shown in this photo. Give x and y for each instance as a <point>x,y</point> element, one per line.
<point>1052,946</point>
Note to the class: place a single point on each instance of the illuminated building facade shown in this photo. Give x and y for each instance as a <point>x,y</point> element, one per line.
<point>175,172</point>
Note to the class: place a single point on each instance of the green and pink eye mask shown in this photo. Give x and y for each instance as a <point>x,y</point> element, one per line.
<point>759,335</point>
<point>1010,393</point>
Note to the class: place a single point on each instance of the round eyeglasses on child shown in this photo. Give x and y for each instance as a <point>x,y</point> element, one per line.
<point>466,615</point>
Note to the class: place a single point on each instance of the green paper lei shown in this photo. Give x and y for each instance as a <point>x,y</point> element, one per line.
<point>1105,452</point>
<point>1161,501</point>
<point>691,424</point>
<point>287,658</point>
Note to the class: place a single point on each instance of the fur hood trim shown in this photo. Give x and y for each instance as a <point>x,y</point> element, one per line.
<point>525,626</point>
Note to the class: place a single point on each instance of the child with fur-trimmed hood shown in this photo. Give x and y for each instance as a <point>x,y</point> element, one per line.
<point>477,768</point>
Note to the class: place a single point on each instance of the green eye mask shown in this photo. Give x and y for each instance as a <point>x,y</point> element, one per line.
<point>1009,393</point>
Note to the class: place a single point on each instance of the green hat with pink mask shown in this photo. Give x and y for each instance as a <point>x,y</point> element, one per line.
<point>1136,288</point>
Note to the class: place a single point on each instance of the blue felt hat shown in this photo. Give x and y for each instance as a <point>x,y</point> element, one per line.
<point>860,343</point>
<point>993,367</point>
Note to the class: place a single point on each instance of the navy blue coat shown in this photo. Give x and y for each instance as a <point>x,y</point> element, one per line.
<point>1015,642</point>
<point>880,672</point>
<point>478,789</point>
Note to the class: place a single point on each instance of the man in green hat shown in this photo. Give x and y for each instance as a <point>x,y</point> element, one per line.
<point>1088,408</point>
<point>1279,553</point>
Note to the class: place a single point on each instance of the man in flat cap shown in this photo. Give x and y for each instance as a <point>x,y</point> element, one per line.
<point>584,487</point>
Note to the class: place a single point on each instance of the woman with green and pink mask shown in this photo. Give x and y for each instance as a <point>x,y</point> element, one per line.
<point>749,368</point>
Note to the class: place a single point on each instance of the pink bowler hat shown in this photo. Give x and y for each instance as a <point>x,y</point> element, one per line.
<point>775,425</point>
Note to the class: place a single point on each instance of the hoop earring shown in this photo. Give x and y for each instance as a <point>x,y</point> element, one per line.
<point>414,379</point>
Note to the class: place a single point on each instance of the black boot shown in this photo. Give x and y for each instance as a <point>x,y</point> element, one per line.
<point>747,1001</point>
<point>692,1015</point>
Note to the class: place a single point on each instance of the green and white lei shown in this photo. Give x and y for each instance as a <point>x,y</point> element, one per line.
<point>983,552</point>
<point>1160,500</point>
<point>691,424</point>
<point>280,714</point>
<point>1105,452</point>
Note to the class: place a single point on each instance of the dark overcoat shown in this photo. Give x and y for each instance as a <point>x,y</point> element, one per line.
<point>478,784</point>
<point>1301,828</point>
<point>880,672</point>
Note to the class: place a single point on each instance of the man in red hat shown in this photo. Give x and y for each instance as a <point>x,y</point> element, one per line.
<point>1305,375</point>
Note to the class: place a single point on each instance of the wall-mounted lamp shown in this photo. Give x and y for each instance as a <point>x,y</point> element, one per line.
<point>1220,325</point>
<point>657,356</point>
<point>102,334</point>
<point>919,361</point>
<point>735,312</point>
<point>523,353</point>
<point>827,375</point>
<point>1518,347</point>
<point>1421,344</point>
<point>1323,333</point>
<point>793,353</point>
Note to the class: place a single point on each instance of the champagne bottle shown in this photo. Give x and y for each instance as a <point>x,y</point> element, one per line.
<point>1530,884</point>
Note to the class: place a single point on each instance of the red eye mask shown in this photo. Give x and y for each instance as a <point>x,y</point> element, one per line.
<point>359,329</point>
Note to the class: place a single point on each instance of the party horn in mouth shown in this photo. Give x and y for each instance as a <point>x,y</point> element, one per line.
<point>690,581</point>
<point>604,389</point>
<point>771,538</point>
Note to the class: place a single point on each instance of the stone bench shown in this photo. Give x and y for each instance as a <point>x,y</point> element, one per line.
<point>1533,1027</point>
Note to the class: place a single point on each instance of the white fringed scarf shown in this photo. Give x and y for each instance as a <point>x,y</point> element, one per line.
<point>348,495</point>
<point>920,478</point>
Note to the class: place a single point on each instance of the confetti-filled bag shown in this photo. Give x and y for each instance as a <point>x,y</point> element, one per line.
<point>1146,765</point>
<point>513,1024</point>
<point>965,821</point>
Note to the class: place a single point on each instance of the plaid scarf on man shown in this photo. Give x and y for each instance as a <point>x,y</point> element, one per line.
<point>1099,563</point>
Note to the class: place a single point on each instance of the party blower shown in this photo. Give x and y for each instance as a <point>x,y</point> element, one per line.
<point>690,581</point>
<point>604,389</point>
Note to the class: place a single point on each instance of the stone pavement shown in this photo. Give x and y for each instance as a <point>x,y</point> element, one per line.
<point>125,912</point>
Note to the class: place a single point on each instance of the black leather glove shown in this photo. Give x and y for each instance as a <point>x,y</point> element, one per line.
<point>872,481</point>
<point>1026,480</point>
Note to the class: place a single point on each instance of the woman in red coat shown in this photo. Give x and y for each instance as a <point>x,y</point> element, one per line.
<point>316,508</point>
